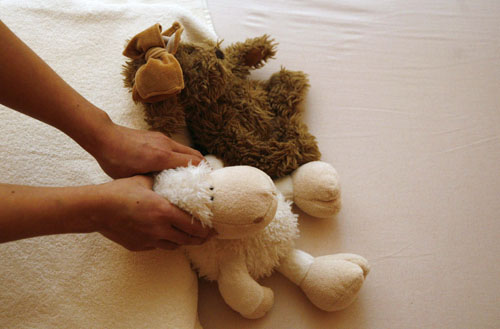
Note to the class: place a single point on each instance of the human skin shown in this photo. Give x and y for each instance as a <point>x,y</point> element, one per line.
<point>125,210</point>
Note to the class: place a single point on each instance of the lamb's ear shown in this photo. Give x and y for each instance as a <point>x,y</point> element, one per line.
<point>173,37</point>
<point>214,162</point>
<point>189,188</point>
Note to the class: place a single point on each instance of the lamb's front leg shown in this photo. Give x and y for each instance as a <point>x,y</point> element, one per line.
<point>241,292</point>
<point>251,54</point>
<point>314,187</point>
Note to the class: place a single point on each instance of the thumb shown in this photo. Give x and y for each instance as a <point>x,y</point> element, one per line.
<point>181,160</point>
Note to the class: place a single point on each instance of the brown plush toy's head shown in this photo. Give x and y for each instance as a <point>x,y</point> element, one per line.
<point>206,71</point>
<point>200,68</point>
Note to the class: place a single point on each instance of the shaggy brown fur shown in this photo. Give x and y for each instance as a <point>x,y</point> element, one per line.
<point>242,121</point>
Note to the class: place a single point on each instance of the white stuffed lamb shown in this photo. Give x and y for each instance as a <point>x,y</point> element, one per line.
<point>256,230</point>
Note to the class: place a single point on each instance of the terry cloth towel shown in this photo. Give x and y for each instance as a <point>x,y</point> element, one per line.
<point>86,281</point>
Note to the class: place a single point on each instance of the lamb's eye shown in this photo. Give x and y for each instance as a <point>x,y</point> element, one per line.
<point>219,54</point>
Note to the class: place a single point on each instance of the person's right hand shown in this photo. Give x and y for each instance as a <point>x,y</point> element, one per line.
<point>124,152</point>
<point>139,219</point>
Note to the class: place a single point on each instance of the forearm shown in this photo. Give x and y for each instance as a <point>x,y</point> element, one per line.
<point>30,86</point>
<point>33,211</point>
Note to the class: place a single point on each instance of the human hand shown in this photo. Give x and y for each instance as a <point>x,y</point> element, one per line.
<point>124,152</point>
<point>134,216</point>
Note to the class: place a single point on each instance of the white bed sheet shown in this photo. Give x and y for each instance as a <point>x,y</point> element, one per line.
<point>405,102</point>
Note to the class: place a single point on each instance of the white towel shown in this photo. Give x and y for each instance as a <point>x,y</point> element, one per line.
<point>86,281</point>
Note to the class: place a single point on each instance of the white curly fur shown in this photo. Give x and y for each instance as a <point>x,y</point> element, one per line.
<point>262,251</point>
<point>188,188</point>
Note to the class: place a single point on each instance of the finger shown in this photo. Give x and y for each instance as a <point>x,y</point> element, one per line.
<point>167,245</point>
<point>179,148</point>
<point>181,238</point>
<point>186,223</point>
<point>182,160</point>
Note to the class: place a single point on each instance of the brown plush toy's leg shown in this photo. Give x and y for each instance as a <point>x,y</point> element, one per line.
<point>282,154</point>
<point>286,89</point>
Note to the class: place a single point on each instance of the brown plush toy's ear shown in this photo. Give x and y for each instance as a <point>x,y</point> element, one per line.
<point>138,45</point>
<point>161,77</point>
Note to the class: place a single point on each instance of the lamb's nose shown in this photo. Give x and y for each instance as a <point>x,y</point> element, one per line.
<point>258,220</point>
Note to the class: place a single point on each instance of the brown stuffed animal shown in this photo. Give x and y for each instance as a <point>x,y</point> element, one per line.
<point>240,120</point>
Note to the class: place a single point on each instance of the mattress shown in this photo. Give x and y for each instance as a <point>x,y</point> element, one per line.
<point>405,103</point>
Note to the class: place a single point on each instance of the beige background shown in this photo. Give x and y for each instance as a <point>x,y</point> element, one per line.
<point>405,102</point>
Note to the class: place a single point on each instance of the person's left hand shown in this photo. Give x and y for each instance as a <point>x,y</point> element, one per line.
<point>124,152</point>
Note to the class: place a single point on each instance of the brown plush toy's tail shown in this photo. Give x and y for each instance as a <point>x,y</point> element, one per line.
<point>161,76</point>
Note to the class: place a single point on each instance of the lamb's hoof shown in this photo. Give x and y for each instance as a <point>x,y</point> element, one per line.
<point>356,259</point>
<point>264,307</point>
<point>316,189</point>
<point>333,281</point>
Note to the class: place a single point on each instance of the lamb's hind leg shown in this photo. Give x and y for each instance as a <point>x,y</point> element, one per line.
<point>241,292</point>
<point>286,89</point>
<point>330,282</point>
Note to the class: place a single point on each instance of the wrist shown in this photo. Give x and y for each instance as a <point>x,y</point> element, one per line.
<point>91,129</point>
<point>29,211</point>
<point>88,206</point>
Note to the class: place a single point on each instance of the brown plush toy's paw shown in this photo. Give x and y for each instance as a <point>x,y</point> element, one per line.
<point>258,50</point>
<point>286,89</point>
<point>254,56</point>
